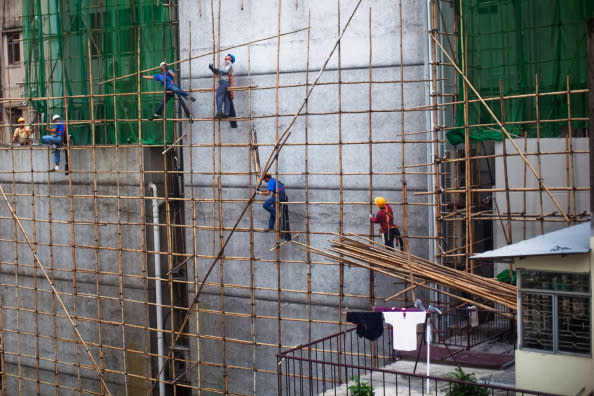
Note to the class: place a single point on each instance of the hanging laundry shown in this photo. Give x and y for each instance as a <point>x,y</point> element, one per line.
<point>404,328</point>
<point>369,324</point>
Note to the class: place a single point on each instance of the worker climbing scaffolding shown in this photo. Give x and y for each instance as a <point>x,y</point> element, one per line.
<point>55,139</point>
<point>167,79</point>
<point>385,218</point>
<point>276,189</point>
<point>224,97</point>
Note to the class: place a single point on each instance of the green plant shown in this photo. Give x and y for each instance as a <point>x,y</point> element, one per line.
<point>360,388</point>
<point>458,389</point>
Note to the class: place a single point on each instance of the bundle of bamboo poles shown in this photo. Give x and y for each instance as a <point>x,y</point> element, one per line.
<point>420,272</point>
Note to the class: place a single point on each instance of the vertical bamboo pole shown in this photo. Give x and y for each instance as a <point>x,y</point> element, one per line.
<point>253,165</point>
<point>591,112</point>
<point>508,229</point>
<point>119,231</point>
<point>468,231</point>
<point>306,192</point>
<point>570,156</point>
<point>341,276</point>
<point>403,144</point>
<point>435,134</point>
<point>277,252</point>
<point>194,230</point>
<point>146,341</point>
<point>524,192</point>
<point>221,232</point>
<point>96,230</point>
<point>340,162</point>
<point>370,144</point>
<point>538,153</point>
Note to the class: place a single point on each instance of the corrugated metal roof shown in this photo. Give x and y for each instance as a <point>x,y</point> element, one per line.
<point>570,240</point>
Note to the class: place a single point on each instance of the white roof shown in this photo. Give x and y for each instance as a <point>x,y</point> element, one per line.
<point>570,240</point>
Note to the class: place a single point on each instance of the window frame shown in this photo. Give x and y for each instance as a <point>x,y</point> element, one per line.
<point>554,294</point>
<point>10,44</point>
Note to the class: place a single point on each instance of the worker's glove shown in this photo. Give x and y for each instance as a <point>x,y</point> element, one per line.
<point>371,215</point>
<point>258,192</point>
<point>211,67</point>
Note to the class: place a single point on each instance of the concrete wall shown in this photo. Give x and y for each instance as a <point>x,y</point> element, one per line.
<point>88,240</point>
<point>557,169</point>
<point>297,297</point>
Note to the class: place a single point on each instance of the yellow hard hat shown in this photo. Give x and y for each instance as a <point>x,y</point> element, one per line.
<point>21,119</point>
<point>380,202</point>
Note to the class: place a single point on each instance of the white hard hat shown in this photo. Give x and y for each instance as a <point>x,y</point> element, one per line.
<point>163,64</point>
<point>54,118</point>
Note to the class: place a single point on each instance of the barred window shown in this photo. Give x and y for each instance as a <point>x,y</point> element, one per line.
<point>555,311</point>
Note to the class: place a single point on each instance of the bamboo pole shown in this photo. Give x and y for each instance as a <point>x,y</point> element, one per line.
<point>503,129</point>
<point>56,294</point>
<point>205,54</point>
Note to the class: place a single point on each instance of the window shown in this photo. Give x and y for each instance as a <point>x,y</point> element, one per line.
<point>13,47</point>
<point>555,311</point>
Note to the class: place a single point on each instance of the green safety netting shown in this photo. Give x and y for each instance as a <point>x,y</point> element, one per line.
<point>68,44</point>
<point>504,45</point>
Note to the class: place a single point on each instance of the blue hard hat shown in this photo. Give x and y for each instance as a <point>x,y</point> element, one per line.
<point>232,58</point>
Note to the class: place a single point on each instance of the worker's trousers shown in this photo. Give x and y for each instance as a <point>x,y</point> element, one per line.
<point>223,100</point>
<point>57,140</point>
<point>390,236</point>
<point>270,204</point>
<point>180,93</point>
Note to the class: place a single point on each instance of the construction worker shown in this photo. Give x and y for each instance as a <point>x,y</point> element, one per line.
<point>56,139</point>
<point>385,218</point>
<point>223,98</point>
<point>274,189</point>
<point>166,78</point>
<point>22,133</point>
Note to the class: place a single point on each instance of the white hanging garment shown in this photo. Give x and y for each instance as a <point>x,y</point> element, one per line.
<point>404,328</point>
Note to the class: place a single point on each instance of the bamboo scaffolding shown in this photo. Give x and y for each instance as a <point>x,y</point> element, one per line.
<point>90,263</point>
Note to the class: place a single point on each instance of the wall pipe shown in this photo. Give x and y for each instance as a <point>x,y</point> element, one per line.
<point>158,294</point>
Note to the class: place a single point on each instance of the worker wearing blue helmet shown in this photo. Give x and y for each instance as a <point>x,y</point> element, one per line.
<point>225,75</point>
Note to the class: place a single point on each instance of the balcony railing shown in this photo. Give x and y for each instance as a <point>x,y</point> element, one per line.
<point>328,365</point>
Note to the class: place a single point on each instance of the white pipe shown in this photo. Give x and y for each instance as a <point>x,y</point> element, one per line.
<point>428,340</point>
<point>431,154</point>
<point>158,294</point>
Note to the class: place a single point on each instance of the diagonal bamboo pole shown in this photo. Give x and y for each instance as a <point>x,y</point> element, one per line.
<point>503,128</point>
<point>206,54</point>
<point>54,290</point>
<point>272,158</point>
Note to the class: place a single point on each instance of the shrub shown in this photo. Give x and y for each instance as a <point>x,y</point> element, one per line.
<point>457,389</point>
<point>360,388</point>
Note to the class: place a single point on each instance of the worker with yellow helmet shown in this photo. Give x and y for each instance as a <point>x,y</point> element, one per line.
<point>22,133</point>
<point>385,218</point>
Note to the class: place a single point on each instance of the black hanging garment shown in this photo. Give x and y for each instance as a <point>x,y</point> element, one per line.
<point>369,324</point>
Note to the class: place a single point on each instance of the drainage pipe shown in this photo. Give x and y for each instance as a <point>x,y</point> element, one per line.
<point>158,294</point>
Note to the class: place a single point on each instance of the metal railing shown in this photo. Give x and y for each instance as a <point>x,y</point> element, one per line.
<point>328,366</point>
<point>469,327</point>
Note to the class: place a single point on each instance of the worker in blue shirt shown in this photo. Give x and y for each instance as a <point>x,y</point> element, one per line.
<point>273,188</point>
<point>56,139</point>
<point>166,78</point>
